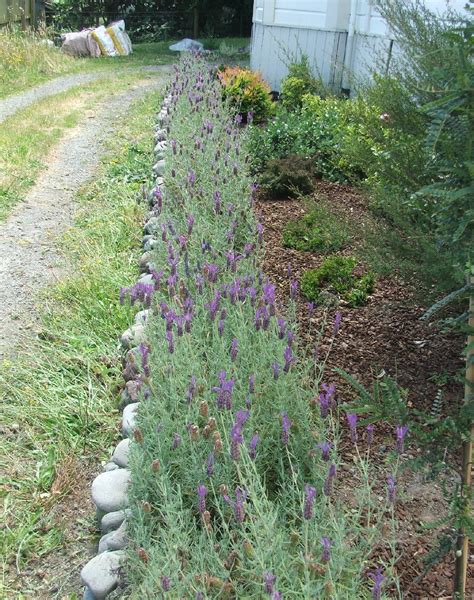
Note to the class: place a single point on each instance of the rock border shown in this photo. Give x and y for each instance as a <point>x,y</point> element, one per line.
<point>103,573</point>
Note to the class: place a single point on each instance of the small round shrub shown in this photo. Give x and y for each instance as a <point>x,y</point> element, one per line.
<point>299,82</point>
<point>287,177</point>
<point>336,275</point>
<point>247,92</point>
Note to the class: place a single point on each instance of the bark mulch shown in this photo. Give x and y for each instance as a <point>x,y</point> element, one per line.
<point>385,336</point>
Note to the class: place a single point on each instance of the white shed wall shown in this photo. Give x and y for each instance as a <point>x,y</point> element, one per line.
<point>283,29</point>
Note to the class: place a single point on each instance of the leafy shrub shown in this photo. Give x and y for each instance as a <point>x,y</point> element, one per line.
<point>298,83</point>
<point>319,230</point>
<point>247,92</point>
<point>289,176</point>
<point>336,276</point>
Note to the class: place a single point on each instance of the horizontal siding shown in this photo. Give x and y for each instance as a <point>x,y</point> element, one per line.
<point>300,18</point>
<point>303,5</point>
<point>273,48</point>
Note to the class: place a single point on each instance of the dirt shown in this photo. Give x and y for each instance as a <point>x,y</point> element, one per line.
<point>384,337</point>
<point>30,259</point>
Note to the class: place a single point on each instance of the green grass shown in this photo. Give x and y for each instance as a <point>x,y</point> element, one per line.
<point>59,393</point>
<point>28,135</point>
<point>24,64</point>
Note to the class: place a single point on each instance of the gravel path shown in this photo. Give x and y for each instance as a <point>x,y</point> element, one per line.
<point>9,105</point>
<point>28,258</point>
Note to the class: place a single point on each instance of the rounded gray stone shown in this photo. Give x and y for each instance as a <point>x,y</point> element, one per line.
<point>110,466</point>
<point>152,226</point>
<point>151,244</point>
<point>88,595</point>
<point>159,168</point>
<point>129,418</point>
<point>145,262</point>
<point>110,490</point>
<point>114,540</point>
<point>112,521</point>
<point>133,336</point>
<point>120,455</point>
<point>142,316</point>
<point>101,574</point>
<point>147,279</point>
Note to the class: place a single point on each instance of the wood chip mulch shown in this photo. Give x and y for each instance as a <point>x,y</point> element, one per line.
<point>385,336</point>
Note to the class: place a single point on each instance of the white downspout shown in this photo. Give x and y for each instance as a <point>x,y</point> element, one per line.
<point>350,44</point>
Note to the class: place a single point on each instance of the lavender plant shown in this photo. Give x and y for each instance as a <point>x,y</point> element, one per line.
<point>235,462</point>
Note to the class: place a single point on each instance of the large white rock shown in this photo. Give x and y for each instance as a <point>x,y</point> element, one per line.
<point>129,418</point>
<point>101,574</point>
<point>110,490</point>
<point>133,336</point>
<point>159,168</point>
<point>186,45</point>
<point>120,455</point>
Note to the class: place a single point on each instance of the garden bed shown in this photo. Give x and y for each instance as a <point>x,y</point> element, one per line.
<point>384,336</point>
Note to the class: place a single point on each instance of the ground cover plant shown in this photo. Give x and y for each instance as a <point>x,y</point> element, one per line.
<point>59,392</point>
<point>320,229</point>
<point>234,459</point>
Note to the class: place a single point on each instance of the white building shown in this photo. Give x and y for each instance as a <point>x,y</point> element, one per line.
<point>344,39</point>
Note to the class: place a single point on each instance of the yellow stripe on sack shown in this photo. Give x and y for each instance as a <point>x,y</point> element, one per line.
<point>118,46</point>
<point>103,50</point>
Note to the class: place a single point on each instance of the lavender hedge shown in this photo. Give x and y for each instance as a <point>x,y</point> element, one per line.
<point>235,477</point>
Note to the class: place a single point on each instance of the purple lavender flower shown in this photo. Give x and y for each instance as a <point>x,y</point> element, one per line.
<point>249,117</point>
<point>248,249</point>
<point>234,349</point>
<point>224,391</point>
<point>191,177</point>
<point>260,233</point>
<point>293,289</point>
<point>337,323</point>
<point>201,491</point>
<point>176,440</point>
<point>217,202</point>
<point>392,488</point>
<point>238,504</point>
<point>191,389</point>
<point>174,146</point>
<point>289,358</point>
<point>310,306</point>
<point>286,426</point>
<point>370,434</point>
<point>252,383</point>
<point>290,336</point>
<point>352,420</point>
<point>326,554</point>
<point>323,404</point>
<point>310,495</point>
<point>269,580</point>
<point>276,596</point>
<point>144,350</point>
<point>220,327</point>
<point>238,119</point>
<point>281,328</point>
<point>190,221</point>
<point>401,433</point>
<point>253,446</point>
<point>329,479</point>
<point>378,580</point>
<point>325,448</point>
<point>210,464</point>
<point>165,583</point>
<point>169,338</point>
<point>269,293</point>
<point>276,370</point>
<point>210,271</point>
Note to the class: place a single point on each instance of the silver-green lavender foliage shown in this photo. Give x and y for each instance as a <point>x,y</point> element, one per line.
<point>231,494</point>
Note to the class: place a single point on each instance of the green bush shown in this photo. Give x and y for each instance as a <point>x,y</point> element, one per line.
<point>287,177</point>
<point>319,230</point>
<point>336,276</point>
<point>247,92</point>
<point>298,83</point>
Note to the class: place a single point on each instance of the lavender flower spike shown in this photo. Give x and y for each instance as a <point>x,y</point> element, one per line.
<point>337,323</point>
<point>370,434</point>
<point>234,349</point>
<point>165,583</point>
<point>325,447</point>
<point>352,420</point>
<point>310,495</point>
<point>326,555</point>
<point>269,580</point>
<point>201,491</point>
<point>402,430</point>
<point>378,580</point>
<point>253,446</point>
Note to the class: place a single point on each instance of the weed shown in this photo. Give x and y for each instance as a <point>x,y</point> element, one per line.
<point>320,230</point>
<point>336,276</point>
<point>287,177</point>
